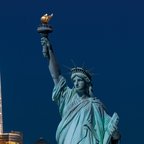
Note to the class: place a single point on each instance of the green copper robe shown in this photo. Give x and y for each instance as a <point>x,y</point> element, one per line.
<point>84,120</point>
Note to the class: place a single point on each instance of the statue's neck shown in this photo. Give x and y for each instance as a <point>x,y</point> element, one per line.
<point>82,94</point>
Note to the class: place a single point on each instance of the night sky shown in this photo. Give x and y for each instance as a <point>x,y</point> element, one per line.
<point>107,36</point>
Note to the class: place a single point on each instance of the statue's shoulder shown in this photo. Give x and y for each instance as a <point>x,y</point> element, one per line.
<point>95,99</point>
<point>97,102</point>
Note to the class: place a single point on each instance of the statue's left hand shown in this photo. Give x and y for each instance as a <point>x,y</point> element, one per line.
<point>116,135</point>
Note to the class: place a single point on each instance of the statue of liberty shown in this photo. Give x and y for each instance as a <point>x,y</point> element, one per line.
<point>84,119</point>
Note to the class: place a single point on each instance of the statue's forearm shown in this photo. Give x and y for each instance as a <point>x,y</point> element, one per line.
<point>53,66</point>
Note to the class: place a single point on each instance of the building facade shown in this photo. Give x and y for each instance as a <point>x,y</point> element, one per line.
<point>13,137</point>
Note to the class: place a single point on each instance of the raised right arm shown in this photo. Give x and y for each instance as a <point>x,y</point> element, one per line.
<point>53,65</point>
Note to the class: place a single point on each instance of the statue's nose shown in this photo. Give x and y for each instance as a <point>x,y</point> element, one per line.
<point>76,84</point>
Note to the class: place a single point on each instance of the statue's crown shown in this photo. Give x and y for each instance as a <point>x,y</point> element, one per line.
<point>81,70</point>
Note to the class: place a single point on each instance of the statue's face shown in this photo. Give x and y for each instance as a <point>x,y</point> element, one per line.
<point>79,83</point>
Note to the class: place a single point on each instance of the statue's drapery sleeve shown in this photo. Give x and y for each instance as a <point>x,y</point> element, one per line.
<point>61,94</point>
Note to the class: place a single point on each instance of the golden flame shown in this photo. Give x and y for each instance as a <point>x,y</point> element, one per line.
<point>46,18</point>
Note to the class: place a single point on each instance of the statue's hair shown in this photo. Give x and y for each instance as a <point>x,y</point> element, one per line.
<point>90,91</point>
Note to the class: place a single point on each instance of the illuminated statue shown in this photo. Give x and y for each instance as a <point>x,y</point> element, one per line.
<point>84,119</point>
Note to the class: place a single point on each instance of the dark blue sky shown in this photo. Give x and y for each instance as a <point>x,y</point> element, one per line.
<point>108,36</point>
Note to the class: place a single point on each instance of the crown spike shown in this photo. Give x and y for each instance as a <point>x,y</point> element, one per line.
<point>83,65</point>
<point>73,62</point>
<point>67,67</point>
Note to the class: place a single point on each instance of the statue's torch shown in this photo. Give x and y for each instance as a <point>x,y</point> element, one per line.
<point>44,29</point>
